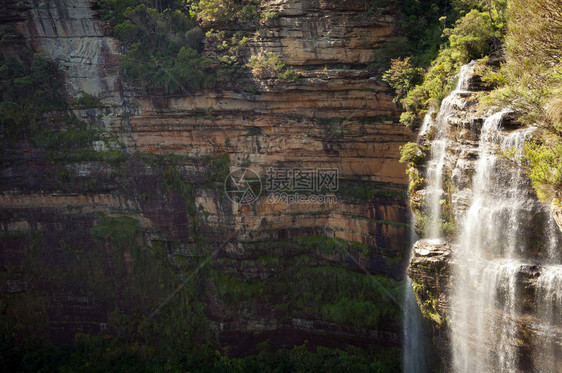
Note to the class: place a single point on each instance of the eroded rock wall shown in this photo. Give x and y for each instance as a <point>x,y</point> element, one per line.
<point>168,175</point>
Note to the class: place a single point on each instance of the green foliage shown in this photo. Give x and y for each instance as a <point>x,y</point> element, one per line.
<point>108,354</point>
<point>209,12</point>
<point>113,10</point>
<point>544,166</point>
<point>233,290</point>
<point>266,66</point>
<point>80,137</point>
<point>402,76</point>
<point>218,168</point>
<point>119,231</point>
<point>228,48</point>
<point>357,313</point>
<point>467,40</point>
<point>320,289</point>
<point>288,75</point>
<point>174,182</point>
<point>112,157</point>
<point>423,23</point>
<point>412,153</point>
<point>492,76</point>
<point>428,304</point>
<point>268,14</point>
<point>329,245</point>
<point>28,90</point>
<point>253,131</point>
<point>87,101</point>
<point>163,45</point>
<point>422,26</point>
<point>534,32</point>
<point>530,82</point>
<point>74,144</point>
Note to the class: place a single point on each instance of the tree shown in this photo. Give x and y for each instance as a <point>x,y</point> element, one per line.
<point>402,76</point>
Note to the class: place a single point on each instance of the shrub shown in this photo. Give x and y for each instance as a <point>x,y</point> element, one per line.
<point>28,89</point>
<point>289,75</point>
<point>270,66</point>
<point>266,65</point>
<point>411,153</point>
<point>87,101</point>
<point>533,84</point>
<point>543,162</point>
<point>402,76</point>
<point>467,40</point>
<point>119,231</point>
<point>214,11</point>
<point>268,14</point>
<point>361,314</point>
<point>163,45</point>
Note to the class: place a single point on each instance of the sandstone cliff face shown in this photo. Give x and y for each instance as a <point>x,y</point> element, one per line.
<point>324,32</point>
<point>174,154</point>
<point>68,32</point>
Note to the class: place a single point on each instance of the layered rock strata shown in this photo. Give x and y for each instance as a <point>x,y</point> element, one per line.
<point>67,260</point>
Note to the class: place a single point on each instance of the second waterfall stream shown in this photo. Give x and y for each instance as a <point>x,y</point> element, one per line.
<point>505,289</point>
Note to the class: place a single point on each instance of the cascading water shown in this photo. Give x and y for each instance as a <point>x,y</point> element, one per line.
<point>415,355</point>
<point>414,334</point>
<point>506,286</point>
<point>439,147</point>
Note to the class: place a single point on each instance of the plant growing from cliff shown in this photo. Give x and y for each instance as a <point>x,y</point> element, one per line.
<point>412,153</point>
<point>428,303</point>
<point>543,161</point>
<point>87,101</point>
<point>288,74</point>
<point>269,65</point>
<point>422,24</point>
<point>361,314</point>
<point>266,65</point>
<point>531,85</point>
<point>228,48</point>
<point>218,168</point>
<point>402,77</point>
<point>29,88</point>
<point>210,12</point>
<point>119,231</point>
<point>268,14</point>
<point>163,45</point>
<point>469,39</point>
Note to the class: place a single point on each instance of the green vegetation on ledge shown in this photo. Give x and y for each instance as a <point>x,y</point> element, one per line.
<point>163,46</point>
<point>470,38</point>
<point>530,82</point>
<point>29,87</point>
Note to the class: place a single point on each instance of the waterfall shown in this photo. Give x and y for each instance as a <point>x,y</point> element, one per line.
<point>413,332</point>
<point>415,344</point>
<point>439,146</point>
<point>506,277</point>
<point>548,298</point>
